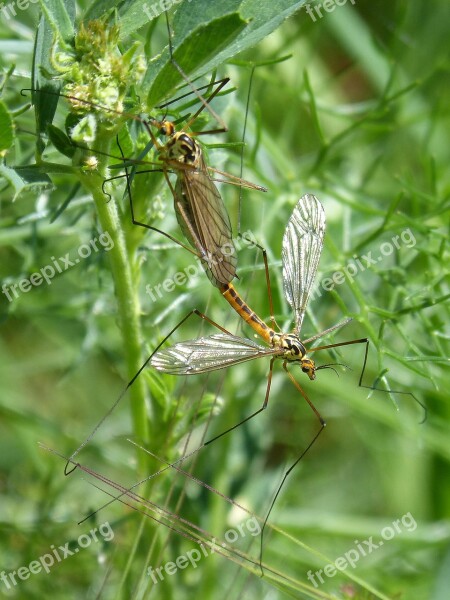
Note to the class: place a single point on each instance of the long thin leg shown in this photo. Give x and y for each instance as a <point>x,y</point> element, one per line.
<point>295,463</point>
<point>140,223</point>
<point>370,387</point>
<point>268,285</point>
<point>205,104</point>
<point>219,82</point>
<point>263,407</point>
<point>186,78</point>
<point>133,379</point>
<point>193,452</point>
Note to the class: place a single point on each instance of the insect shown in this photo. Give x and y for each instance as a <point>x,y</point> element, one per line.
<point>198,204</point>
<point>302,246</point>
<point>301,250</point>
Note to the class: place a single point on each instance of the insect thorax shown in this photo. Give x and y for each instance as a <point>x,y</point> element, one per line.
<point>291,345</point>
<point>292,349</point>
<point>183,148</point>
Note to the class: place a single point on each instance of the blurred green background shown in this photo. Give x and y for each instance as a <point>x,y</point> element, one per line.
<point>359,116</point>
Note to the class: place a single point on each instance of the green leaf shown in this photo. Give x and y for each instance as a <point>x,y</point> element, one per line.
<point>197,28</point>
<point>100,8</point>
<point>61,141</point>
<point>193,53</point>
<point>60,15</point>
<point>26,181</point>
<point>6,129</point>
<point>125,141</point>
<point>45,92</point>
<point>135,14</point>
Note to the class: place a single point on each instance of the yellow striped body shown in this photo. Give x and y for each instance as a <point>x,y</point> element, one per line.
<point>232,296</point>
<point>289,345</point>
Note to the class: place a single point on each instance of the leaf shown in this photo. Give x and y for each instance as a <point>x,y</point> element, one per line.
<point>100,8</point>
<point>60,15</point>
<point>125,141</point>
<point>197,28</point>
<point>45,92</point>
<point>26,181</point>
<point>61,141</point>
<point>6,129</point>
<point>137,13</point>
<point>194,52</point>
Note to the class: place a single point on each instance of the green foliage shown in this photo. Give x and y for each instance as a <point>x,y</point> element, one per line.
<point>6,129</point>
<point>359,116</point>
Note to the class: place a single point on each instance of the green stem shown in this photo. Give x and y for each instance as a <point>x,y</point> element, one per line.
<point>127,300</point>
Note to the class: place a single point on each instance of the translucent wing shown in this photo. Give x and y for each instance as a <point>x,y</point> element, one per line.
<point>302,246</point>
<point>207,354</point>
<point>205,223</point>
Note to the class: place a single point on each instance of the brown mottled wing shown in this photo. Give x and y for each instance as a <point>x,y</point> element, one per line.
<point>209,353</point>
<point>205,223</point>
<point>302,247</point>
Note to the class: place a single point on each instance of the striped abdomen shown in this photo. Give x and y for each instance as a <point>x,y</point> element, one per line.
<point>232,296</point>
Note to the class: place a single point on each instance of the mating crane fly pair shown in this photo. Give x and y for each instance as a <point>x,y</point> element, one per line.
<point>204,222</point>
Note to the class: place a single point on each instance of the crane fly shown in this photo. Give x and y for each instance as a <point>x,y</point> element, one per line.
<point>301,249</point>
<point>198,204</point>
<point>199,207</point>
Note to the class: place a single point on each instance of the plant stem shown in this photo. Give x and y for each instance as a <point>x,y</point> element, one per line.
<point>127,298</point>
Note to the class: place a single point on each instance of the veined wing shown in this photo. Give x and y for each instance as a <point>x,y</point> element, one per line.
<point>207,354</point>
<point>205,223</point>
<point>302,247</point>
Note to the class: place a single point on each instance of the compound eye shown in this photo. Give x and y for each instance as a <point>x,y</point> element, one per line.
<point>305,369</point>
